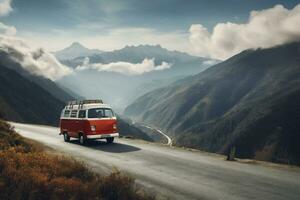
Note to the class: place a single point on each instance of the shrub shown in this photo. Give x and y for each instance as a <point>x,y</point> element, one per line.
<point>26,172</point>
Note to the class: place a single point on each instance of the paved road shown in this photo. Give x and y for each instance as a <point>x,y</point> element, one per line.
<point>177,173</point>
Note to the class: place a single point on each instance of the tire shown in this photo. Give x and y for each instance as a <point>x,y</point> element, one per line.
<point>82,139</point>
<point>110,140</point>
<point>66,137</point>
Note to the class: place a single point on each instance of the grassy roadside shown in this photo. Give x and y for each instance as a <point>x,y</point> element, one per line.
<point>27,172</point>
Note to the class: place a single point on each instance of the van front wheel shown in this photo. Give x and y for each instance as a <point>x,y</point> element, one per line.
<point>110,140</point>
<point>66,137</point>
<point>82,139</point>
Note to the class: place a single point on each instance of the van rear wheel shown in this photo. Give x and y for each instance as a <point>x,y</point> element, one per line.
<point>110,140</point>
<point>82,139</point>
<point>66,137</point>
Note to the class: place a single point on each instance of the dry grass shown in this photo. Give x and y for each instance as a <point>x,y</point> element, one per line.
<point>266,153</point>
<point>26,172</point>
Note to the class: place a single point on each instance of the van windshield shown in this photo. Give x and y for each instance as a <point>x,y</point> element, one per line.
<point>100,113</point>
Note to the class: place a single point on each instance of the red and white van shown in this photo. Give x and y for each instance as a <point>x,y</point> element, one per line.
<point>88,119</point>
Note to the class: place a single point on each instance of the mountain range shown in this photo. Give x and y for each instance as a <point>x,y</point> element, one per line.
<point>250,101</point>
<point>119,89</point>
<point>75,50</point>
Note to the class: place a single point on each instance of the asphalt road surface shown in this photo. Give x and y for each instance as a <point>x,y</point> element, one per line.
<point>177,173</point>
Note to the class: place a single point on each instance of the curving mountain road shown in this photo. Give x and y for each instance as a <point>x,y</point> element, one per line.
<point>177,173</point>
<point>169,140</point>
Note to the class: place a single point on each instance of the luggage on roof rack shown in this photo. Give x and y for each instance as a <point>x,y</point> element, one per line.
<point>80,103</point>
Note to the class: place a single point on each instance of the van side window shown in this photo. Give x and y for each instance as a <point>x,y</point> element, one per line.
<point>82,114</point>
<point>100,113</point>
<point>73,113</point>
<point>95,113</point>
<point>66,113</point>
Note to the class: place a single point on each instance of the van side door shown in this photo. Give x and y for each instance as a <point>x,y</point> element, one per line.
<point>82,125</point>
<point>73,132</point>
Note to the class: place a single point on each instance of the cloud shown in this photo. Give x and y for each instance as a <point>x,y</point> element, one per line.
<point>5,7</point>
<point>265,28</point>
<point>7,30</point>
<point>147,65</point>
<point>210,62</point>
<point>35,61</point>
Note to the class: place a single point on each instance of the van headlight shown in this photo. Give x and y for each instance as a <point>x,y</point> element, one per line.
<point>115,126</point>
<point>93,128</point>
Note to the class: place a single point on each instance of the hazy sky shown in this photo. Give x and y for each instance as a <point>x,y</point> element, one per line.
<point>112,24</point>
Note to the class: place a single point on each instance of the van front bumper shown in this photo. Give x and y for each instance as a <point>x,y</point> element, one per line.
<point>101,136</point>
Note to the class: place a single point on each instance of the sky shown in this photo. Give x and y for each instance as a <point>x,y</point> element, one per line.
<point>199,27</point>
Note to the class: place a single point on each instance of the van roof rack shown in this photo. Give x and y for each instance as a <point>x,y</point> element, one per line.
<point>80,103</point>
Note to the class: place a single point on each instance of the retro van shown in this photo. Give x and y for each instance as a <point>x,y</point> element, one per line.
<point>87,120</point>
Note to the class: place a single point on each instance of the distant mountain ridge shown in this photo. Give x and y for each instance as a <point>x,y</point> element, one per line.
<point>120,89</point>
<point>251,101</point>
<point>75,50</point>
<point>136,54</point>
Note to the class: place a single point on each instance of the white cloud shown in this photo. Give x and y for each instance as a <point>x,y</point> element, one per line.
<point>210,62</point>
<point>7,30</point>
<point>5,7</point>
<point>35,61</point>
<point>265,28</point>
<point>147,65</point>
